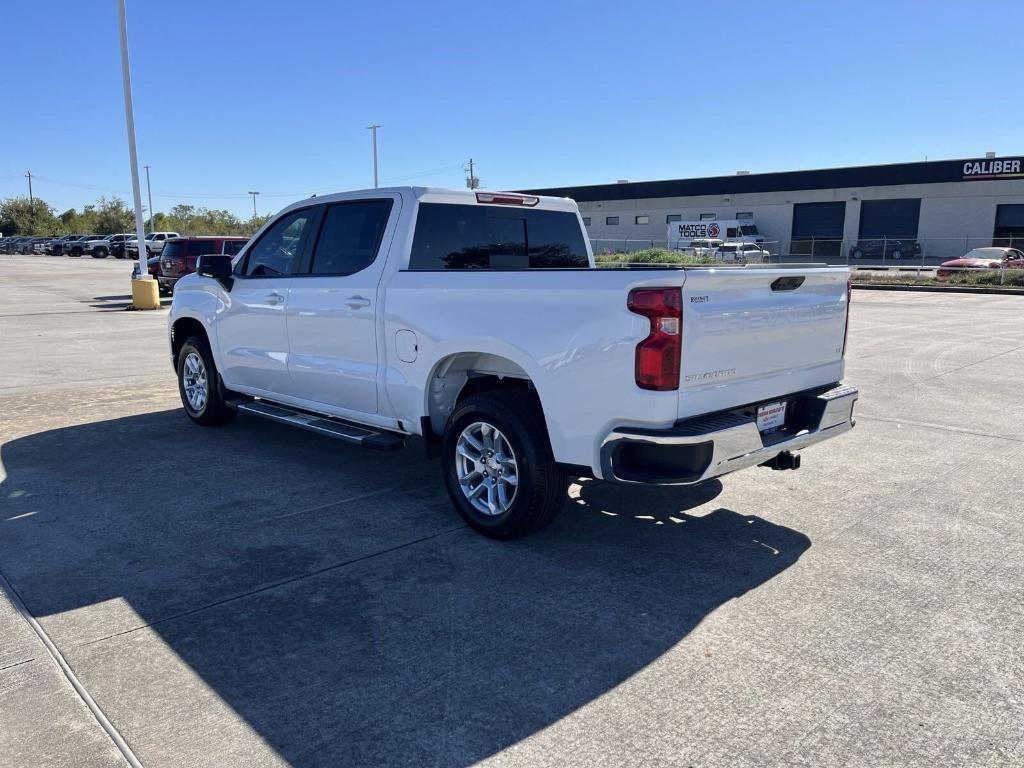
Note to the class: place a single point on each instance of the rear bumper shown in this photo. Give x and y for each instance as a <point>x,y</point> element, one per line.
<point>698,449</point>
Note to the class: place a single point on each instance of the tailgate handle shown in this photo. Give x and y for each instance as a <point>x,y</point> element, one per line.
<point>788,283</point>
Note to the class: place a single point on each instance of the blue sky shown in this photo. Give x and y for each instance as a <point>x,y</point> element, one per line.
<point>274,96</point>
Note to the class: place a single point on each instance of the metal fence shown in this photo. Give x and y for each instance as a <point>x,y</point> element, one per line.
<point>861,252</point>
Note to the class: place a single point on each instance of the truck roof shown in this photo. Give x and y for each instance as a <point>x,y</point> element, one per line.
<point>440,195</point>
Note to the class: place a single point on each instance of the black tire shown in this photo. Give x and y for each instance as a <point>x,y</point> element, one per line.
<point>857,254</point>
<point>99,253</point>
<point>540,492</point>
<point>897,254</point>
<point>213,411</point>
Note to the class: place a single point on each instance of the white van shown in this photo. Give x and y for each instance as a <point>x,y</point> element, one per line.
<point>681,233</point>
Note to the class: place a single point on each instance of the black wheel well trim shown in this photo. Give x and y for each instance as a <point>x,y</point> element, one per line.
<point>181,330</point>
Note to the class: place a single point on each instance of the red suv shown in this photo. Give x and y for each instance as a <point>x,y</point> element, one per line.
<point>179,255</point>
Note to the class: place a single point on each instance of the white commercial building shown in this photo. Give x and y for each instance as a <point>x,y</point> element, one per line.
<point>910,212</point>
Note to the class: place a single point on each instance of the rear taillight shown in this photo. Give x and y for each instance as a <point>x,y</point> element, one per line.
<point>658,356</point>
<point>846,328</point>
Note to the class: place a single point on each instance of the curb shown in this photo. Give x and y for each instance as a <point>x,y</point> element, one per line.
<point>939,289</point>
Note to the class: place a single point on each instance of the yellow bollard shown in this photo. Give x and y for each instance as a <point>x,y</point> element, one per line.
<point>145,294</point>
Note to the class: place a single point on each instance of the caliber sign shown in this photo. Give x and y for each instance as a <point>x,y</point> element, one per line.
<point>976,170</point>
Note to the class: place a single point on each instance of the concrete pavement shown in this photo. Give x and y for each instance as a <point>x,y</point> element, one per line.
<point>258,596</point>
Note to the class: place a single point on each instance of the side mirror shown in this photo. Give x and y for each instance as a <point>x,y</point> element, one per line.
<point>218,267</point>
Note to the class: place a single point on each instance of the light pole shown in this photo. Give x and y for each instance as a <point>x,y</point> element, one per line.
<point>31,199</point>
<point>147,296</point>
<point>253,205</point>
<point>149,194</point>
<point>373,130</point>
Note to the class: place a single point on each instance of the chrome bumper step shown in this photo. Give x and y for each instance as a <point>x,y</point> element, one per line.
<point>698,449</point>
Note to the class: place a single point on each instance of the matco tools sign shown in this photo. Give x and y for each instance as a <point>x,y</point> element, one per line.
<point>977,170</point>
<point>690,231</point>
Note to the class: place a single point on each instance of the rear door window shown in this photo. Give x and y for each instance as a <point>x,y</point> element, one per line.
<point>491,237</point>
<point>350,236</point>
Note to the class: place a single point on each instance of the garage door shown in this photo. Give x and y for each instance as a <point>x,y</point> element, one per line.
<point>818,229</point>
<point>890,218</point>
<point>1009,226</point>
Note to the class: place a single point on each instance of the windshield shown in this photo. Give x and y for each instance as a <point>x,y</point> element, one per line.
<point>985,253</point>
<point>151,235</point>
<point>749,229</point>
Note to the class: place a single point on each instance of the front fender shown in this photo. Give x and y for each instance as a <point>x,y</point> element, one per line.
<point>199,299</point>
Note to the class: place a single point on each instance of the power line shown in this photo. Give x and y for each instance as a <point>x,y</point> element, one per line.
<point>297,194</point>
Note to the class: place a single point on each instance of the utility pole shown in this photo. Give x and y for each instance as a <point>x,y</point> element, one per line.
<point>253,205</point>
<point>31,200</point>
<point>373,129</point>
<point>471,180</point>
<point>149,194</point>
<point>143,271</point>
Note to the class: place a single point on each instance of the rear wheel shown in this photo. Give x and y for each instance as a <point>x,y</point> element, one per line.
<point>198,385</point>
<point>897,254</point>
<point>99,253</point>
<point>497,465</point>
<point>857,254</point>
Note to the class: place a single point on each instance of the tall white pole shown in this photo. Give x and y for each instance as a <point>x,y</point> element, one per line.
<point>129,119</point>
<point>373,129</point>
<point>149,194</point>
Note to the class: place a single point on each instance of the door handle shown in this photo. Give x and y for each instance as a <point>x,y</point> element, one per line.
<point>274,298</point>
<point>357,302</point>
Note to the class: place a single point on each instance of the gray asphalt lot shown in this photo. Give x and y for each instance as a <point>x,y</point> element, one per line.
<point>258,596</point>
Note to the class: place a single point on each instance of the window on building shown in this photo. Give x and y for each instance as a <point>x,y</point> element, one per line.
<point>708,217</point>
<point>742,215</point>
<point>818,229</point>
<point>643,220</point>
<point>1009,231</point>
<point>586,221</point>
<point>611,221</point>
<point>673,218</point>
<point>495,237</point>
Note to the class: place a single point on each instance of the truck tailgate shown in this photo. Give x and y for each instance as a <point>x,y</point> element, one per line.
<point>757,333</point>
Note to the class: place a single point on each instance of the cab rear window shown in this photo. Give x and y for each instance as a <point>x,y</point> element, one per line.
<point>451,236</point>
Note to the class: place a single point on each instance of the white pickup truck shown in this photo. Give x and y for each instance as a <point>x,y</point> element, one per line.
<point>477,321</point>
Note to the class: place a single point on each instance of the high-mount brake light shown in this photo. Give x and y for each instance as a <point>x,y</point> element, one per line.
<point>504,199</point>
<point>659,355</point>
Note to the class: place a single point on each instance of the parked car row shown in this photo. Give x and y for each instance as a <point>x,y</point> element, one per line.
<point>120,246</point>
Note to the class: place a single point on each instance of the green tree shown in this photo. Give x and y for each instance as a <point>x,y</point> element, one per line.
<point>19,216</point>
<point>112,216</point>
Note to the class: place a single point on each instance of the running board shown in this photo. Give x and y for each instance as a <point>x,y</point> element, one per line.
<point>324,425</point>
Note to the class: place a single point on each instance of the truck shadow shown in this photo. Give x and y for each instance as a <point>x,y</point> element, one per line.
<point>330,597</point>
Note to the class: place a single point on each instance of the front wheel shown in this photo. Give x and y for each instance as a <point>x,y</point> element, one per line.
<point>896,254</point>
<point>498,467</point>
<point>198,386</point>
